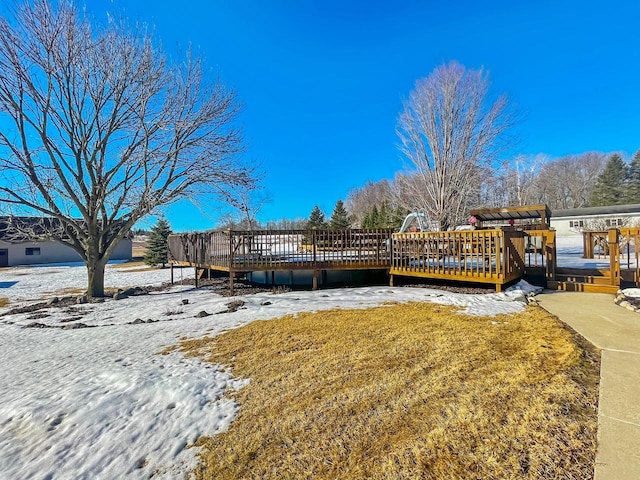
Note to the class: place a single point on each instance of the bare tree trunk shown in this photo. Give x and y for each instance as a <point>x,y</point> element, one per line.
<point>95,275</point>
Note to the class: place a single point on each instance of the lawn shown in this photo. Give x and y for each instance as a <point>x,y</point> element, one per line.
<point>405,391</point>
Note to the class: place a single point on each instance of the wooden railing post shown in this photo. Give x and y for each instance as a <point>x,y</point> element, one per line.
<point>614,255</point>
<point>314,247</point>
<point>550,254</point>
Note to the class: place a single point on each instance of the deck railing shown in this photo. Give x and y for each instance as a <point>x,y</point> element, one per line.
<point>495,256</point>
<point>540,251</point>
<point>491,256</point>
<point>625,254</point>
<point>595,244</point>
<point>284,249</point>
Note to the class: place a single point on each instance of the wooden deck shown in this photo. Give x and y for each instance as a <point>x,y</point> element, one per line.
<point>496,256</point>
<point>275,250</point>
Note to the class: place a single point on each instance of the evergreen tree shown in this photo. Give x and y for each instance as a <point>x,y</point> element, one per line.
<point>385,215</point>
<point>610,188</point>
<point>158,246</point>
<point>633,184</point>
<point>366,220</point>
<point>339,218</point>
<point>397,217</point>
<point>374,217</point>
<point>316,219</point>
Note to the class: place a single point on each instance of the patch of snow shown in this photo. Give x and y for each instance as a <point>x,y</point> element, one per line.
<point>35,282</point>
<point>631,292</point>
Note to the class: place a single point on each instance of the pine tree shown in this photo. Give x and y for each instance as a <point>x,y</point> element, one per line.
<point>339,218</point>
<point>158,246</point>
<point>374,217</point>
<point>366,221</point>
<point>316,219</point>
<point>385,215</point>
<point>397,217</point>
<point>633,185</point>
<point>610,188</point>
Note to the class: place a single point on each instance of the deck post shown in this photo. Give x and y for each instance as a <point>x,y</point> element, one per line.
<point>231,275</point>
<point>313,242</point>
<point>197,281</point>
<point>550,252</point>
<point>614,256</point>
<point>586,243</point>
<point>171,267</point>
<point>314,285</point>
<point>391,280</point>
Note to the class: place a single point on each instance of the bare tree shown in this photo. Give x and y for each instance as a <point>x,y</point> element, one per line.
<point>247,200</point>
<point>104,128</point>
<point>449,129</point>
<point>287,224</point>
<point>360,200</point>
<point>567,182</point>
<point>514,182</point>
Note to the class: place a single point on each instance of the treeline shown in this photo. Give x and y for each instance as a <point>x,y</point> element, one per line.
<point>573,181</point>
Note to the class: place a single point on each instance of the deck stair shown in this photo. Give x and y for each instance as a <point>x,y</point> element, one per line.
<point>583,280</point>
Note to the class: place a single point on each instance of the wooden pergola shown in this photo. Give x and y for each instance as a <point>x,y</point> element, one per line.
<point>530,217</point>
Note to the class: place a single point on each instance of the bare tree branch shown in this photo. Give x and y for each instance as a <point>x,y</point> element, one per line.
<point>450,133</point>
<point>104,128</point>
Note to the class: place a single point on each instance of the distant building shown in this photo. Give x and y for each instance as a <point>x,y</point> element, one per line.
<point>18,249</point>
<point>573,221</point>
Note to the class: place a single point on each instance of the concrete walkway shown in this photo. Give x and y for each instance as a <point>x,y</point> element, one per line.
<point>616,331</point>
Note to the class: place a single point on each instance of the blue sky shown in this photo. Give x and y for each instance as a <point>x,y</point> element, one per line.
<point>322,82</point>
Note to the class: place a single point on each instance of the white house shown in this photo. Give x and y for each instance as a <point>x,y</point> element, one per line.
<point>571,222</point>
<point>22,251</point>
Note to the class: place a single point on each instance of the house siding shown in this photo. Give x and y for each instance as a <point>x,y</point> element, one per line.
<point>563,227</point>
<point>55,252</point>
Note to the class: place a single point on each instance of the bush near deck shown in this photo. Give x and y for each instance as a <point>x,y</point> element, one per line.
<point>406,391</point>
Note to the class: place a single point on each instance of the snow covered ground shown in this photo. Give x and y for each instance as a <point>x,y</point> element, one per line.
<point>569,254</point>
<point>102,403</point>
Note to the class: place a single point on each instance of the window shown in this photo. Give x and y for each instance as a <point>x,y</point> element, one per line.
<point>32,251</point>
<point>576,223</point>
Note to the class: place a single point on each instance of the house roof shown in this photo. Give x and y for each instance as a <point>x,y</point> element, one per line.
<point>586,211</point>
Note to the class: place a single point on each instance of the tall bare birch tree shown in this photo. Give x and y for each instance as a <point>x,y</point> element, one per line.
<point>451,132</point>
<point>99,128</point>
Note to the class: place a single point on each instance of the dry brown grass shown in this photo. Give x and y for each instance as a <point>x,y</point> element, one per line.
<point>133,266</point>
<point>404,392</point>
<point>138,247</point>
<point>4,302</point>
<point>128,268</point>
<point>128,264</point>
